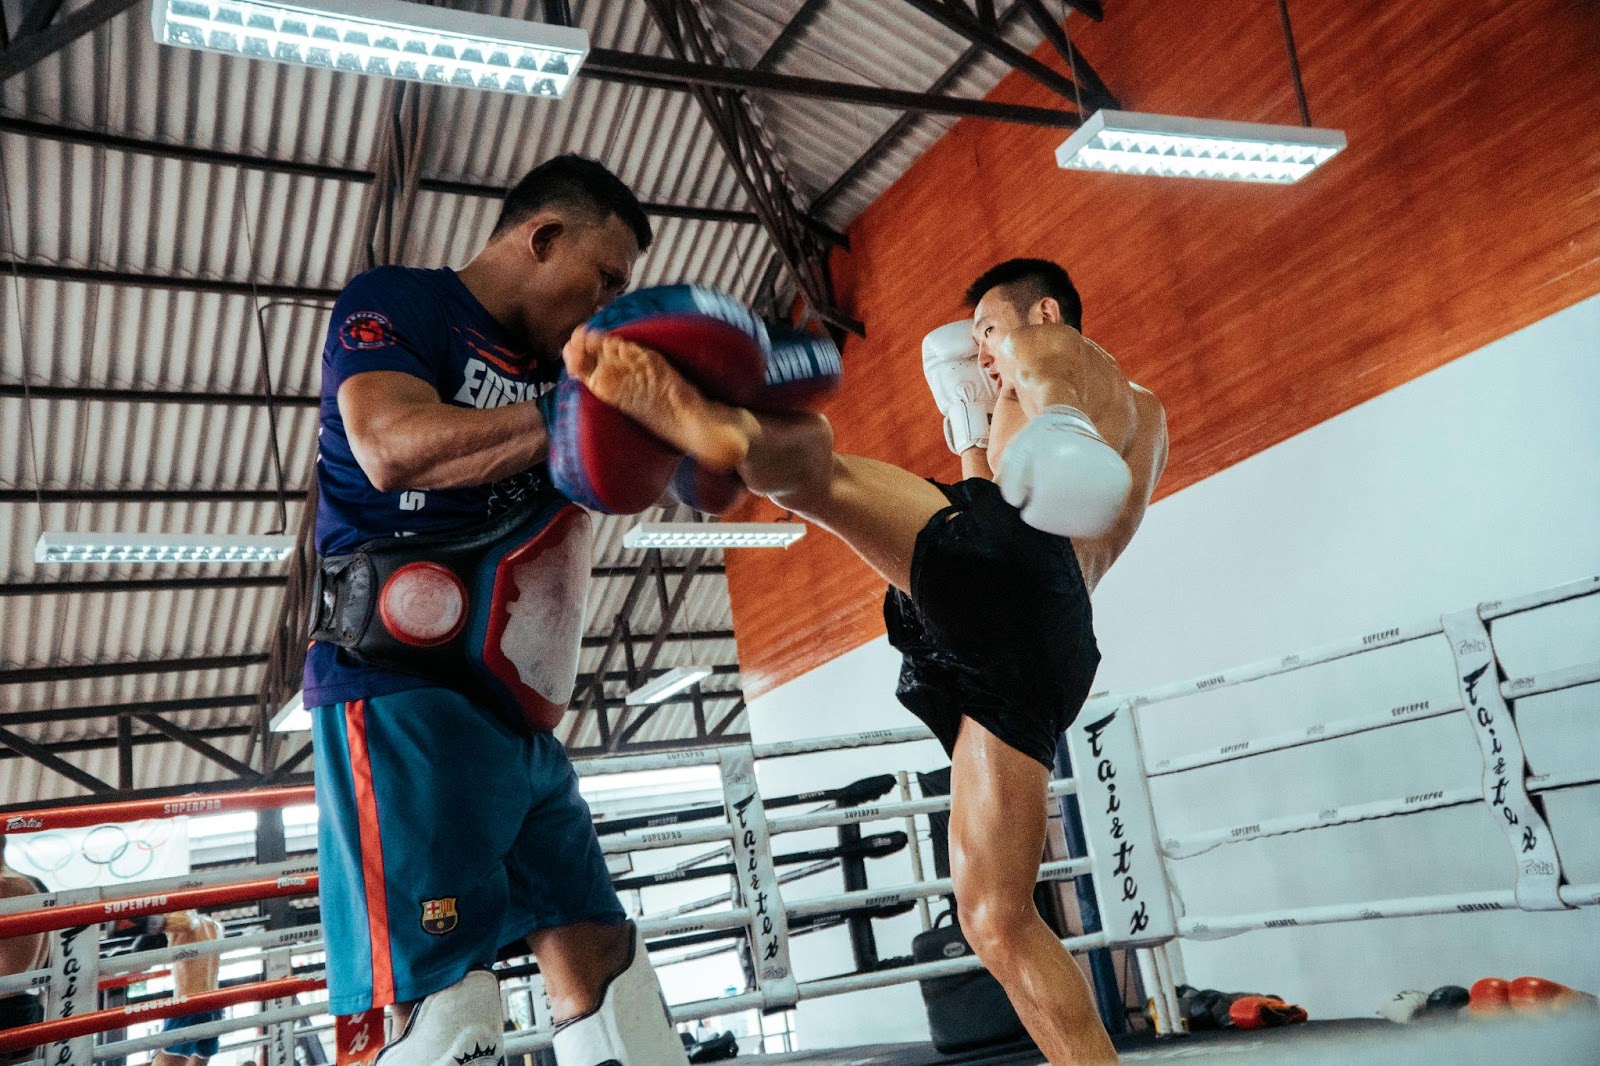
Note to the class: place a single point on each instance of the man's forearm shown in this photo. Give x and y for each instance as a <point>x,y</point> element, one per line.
<point>975,463</point>
<point>435,446</point>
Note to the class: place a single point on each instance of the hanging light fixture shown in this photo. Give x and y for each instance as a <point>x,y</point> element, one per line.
<point>1128,142</point>
<point>668,684</point>
<point>113,547</point>
<point>713,534</point>
<point>387,38</point>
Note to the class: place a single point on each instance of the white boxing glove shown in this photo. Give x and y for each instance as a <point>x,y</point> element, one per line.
<point>963,390</point>
<point>1063,476</point>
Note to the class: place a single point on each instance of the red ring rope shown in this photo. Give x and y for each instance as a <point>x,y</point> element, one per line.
<point>106,910</point>
<point>28,1036</point>
<point>38,821</point>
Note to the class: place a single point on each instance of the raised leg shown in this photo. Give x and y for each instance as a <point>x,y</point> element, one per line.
<point>997,832</point>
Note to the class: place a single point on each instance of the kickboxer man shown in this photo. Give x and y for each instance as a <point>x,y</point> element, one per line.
<point>990,579</point>
<point>451,822</point>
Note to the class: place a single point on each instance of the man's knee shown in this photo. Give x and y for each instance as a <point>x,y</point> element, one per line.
<point>994,924</point>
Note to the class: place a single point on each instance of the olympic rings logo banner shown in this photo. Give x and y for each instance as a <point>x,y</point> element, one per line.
<point>102,855</point>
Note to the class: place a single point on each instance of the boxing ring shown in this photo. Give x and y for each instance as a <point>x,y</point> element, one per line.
<point>1127,867</point>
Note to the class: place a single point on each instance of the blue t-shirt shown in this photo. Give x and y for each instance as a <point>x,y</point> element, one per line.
<point>425,323</point>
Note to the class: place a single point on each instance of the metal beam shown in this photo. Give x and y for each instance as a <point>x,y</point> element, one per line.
<point>144,740</point>
<point>169,282</point>
<point>785,41</point>
<point>166,792</point>
<point>124,753</point>
<point>214,157</point>
<point>26,51</point>
<point>192,740</point>
<point>27,749</point>
<point>1095,93</point>
<point>140,584</point>
<point>38,675</point>
<point>727,720</point>
<point>630,599</point>
<point>100,394</point>
<point>122,495</point>
<point>605,64</point>
<point>967,25</point>
<point>754,160</point>
<point>602,641</point>
<point>287,766</point>
<point>36,16</point>
<point>898,129</point>
<point>127,710</point>
<point>669,613</point>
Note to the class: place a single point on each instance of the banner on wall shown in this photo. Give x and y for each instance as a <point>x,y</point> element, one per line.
<point>102,855</point>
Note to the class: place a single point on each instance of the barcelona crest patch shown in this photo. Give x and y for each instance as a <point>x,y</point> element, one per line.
<point>439,915</point>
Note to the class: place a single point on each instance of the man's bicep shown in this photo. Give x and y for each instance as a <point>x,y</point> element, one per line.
<point>370,401</point>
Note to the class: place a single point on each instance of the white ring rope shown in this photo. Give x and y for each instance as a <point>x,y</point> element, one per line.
<point>218,1028</point>
<point>623,764</point>
<point>716,832</point>
<point>1438,799</point>
<point>1503,899</point>
<point>1381,638</point>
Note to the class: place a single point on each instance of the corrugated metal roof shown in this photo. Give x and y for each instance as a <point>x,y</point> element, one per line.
<point>137,216</point>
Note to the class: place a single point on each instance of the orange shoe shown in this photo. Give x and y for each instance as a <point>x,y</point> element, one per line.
<point>1263,1012</point>
<point>1535,995</point>
<point>1490,996</point>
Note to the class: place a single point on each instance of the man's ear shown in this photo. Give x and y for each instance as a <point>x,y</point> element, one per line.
<point>542,234</point>
<point>1048,310</point>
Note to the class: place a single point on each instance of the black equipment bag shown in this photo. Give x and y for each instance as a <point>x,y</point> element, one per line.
<point>967,1010</point>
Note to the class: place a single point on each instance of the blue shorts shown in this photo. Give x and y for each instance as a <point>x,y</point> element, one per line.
<point>442,835</point>
<point>206,1046</point>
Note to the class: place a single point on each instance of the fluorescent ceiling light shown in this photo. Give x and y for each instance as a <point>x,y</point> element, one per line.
<point>292,717</point>
<point>1125,142</point>
<point>713,535</point>
<point>388,38</point>
<point>673,681</point>
<point>161,548</point>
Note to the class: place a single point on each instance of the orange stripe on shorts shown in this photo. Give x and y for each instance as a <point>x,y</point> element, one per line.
<point>355,716</point>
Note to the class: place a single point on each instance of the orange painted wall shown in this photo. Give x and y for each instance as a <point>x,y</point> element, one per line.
<point>1466,207</point>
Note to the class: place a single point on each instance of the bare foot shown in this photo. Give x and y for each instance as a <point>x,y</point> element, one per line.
<point>644,386</point>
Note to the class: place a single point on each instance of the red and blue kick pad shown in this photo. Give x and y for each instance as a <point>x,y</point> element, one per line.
<point>605,461</point>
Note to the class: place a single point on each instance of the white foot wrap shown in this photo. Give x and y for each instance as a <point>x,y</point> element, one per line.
<point>461,1024</point>
<point>630,1027</point>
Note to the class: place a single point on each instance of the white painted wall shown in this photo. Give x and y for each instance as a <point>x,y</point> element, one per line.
<point>1477,481</point>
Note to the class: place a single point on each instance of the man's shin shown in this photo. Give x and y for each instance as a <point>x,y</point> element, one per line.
<point>629,1027</point>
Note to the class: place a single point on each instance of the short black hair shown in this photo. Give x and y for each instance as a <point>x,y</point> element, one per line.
<point>1029,281</point>
<point>574,182</point>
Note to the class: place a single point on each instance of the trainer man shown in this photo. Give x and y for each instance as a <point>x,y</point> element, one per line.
<point>450,825</point>
<point>191,977</point>
<point>990,579</point>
